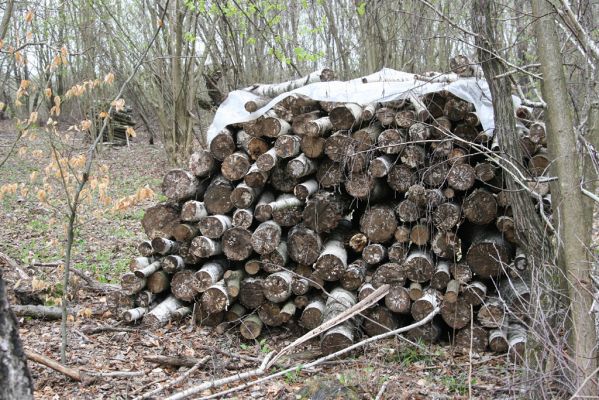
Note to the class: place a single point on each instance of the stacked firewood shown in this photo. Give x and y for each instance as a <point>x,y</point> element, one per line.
<point>303,212</point>
<point>116,131</point>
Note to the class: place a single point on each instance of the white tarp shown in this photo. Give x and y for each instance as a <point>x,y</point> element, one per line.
<point>385,85</point>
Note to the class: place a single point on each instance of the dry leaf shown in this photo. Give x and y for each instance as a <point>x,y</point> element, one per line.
<point>109,78</point>
<point>29,16</point>
<point>131,132</point>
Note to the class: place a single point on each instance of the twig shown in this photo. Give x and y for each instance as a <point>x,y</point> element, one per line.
<point>584,383</point>
<point>379,395</point>
<point>223,381</point>
<point>175,382</point>
<point>13,265</point>
<point>175,361</point>
<point>260,371</point>
<point>108,328</point>
<point>56,366</point>
<point>115,374</point>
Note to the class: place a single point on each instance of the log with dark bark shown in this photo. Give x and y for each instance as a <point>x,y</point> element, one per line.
<point>217,198</point>
<point>304,245</point>
<point>324,210</point>
<point>475,339</point>
<point>480,207</point>
<point>160,220</point>
<point>345,116</point>
<point>378,320</point>
<point>332,261</point>
<point>222,144</point>
<point>378,223</point>
<point>489,253</point>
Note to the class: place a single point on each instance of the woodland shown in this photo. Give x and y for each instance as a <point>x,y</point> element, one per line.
<point>312,199</point>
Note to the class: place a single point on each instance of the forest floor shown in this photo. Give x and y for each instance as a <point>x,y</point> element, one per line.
<point>32,216</point>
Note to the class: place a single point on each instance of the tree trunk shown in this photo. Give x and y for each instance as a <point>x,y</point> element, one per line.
<point>15,378</point>
<point>574,237</point>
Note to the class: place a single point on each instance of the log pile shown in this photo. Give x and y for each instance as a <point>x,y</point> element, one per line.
<point>303,212</point>
<point>116,130</point>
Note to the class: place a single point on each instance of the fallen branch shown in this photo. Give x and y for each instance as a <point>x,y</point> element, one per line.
<point>260,371</point>
<point>344,316</point>
<point>55,365</point>
<point>4,259</point>
<point>107,328</point>
<point>160,388</point>
<point>174,361</point>
<point>43,312</point>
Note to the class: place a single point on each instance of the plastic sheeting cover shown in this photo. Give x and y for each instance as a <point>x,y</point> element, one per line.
<point>385,85</point>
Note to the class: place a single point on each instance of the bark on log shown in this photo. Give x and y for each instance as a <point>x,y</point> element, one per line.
<point>255,177</point>
<point>286,210</point>
<point>172,263</point>
<point>201,163</point>
<point>303,190</point>
<point>179,185</point>
<point>251,327</point>
<point>203,247</point>
<point>275,260</point>
<point>378,223</point>
<point>287,146</point>
<point>132,284</point>
<point>164,246</point>
<point>425,305</point>
<point>216,298</point>
<point>158,282</point>
<point>275,314</point>
<point>379,167</point>
<point>489,254</point>
<point>267,161</point>
<point>210,273</point>
<point>161,314</point>
<point>262,210</point>
<point>354,275</point>
<point>398,299</point>
<point>318,127</point>
<point>419,266</point>
<point>251,292</point>
<point>312,147</point>
<point>441,276</point>
<point>313,314</point>
<point>299,122</point>
<point>301,166</point>
<point>391,273</point>
<point>374,253</point>
<point>244,196</point>
<point>193,211</point>
<point>184,232</point>
<point>461,272</point>
<point>145,249</point>
<point>217,198</point>
<point>222,144</point>
<point>474,293</point>
<point>378,320</point>
<point>480,207</point>
<point>332,261</point>
<point>475,339</point>
<point>134,314</point>
<point>304,245</point>
<point>447,245</point>
<point>235,166</point>
<point>214,226</point>
<point>324,210</point>
<point>237,243</point>
<point>398,252</point>
<point>342,335</point>
<point>160,220</point>
<point>277,286</point>
<point>456,314</point>
<point>184,285</point>
<point>492,314</point>
<point>346,116</point>
<point>266,237</point>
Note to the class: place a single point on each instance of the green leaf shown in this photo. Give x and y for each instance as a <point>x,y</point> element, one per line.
<point>361,8</point>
